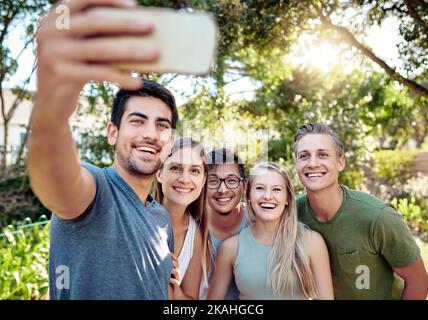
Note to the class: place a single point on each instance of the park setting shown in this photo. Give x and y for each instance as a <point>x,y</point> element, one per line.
<point>359,66</point>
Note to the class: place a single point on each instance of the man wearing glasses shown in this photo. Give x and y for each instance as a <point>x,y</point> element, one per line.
<point>227,215</point>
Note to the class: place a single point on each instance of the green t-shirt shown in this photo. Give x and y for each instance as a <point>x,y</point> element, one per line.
<point>366,239</point>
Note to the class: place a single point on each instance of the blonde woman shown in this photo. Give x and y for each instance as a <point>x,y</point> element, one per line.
<point>181,190</point>
<point>276,257</point>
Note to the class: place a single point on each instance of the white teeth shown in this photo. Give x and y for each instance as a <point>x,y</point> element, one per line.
<point>268,205</point>
<point>147,149</point>
<point>223,199</point>
<point>182,190</point>
<point>319,174</point>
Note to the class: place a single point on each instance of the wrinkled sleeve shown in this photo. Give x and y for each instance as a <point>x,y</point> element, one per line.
<point>393,239</point>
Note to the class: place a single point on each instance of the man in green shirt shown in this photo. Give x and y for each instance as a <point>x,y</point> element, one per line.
<point>367,239</point>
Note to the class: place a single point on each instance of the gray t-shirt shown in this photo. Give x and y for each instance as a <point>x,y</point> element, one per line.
<point>117,249</point>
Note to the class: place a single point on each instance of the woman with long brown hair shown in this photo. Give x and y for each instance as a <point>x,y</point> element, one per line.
<point>181,185</point>
<point>276,257</point>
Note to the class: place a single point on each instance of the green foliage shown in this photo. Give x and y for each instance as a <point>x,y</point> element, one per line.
<point>393,166</point>
<point>417,186</point>
<point>94,148</point>
<point>90,123</point>
<point>15,13</point>
<point>412,213</point>
<point>19,16</point>
<point>247,25</point>
<point>413,27</point>
<point>217,122</point>
<point>17,201</point>
<point>408,209</point>
<point>24,263</point>
<point>354,179</point>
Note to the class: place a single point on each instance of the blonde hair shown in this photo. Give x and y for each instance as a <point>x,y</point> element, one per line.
<point>288,256</point>
<point>197,207</point>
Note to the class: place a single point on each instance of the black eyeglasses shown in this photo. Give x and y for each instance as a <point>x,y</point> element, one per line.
<point>231,182</point>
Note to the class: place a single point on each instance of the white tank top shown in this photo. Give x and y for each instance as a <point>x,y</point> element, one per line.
<point>186,252</point>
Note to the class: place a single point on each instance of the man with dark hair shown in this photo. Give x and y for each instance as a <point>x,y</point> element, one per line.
<point>366,237</point>
<point>226,213</point>
<point>109,238</point>
<point>151,89</point>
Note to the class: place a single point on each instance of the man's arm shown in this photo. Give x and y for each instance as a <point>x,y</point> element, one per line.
<point>67,59</point>
<point>397,245</point>
<point>415,281</point>
<point>56,176</point>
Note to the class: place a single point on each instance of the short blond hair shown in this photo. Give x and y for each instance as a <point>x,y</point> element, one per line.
<point>318,128</point>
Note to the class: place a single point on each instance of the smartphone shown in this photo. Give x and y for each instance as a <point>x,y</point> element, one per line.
<point>187,41</point>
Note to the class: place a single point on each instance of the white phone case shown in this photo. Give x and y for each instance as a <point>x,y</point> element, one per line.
<point>187,41</point>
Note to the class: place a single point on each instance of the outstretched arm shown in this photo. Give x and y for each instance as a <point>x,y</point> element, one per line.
<point>223,272</point>
<point>67,59</point>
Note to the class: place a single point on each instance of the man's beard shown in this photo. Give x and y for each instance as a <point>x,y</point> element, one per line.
<point>131,166</point>
<point>224,214</point>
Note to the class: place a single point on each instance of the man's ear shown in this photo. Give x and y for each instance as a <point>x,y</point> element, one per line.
<point>159,176</point>
<point>167,148</point>
<point>112,133</point>
<point>245,184</point>
<point>173,138</point>
<point>341,162</point>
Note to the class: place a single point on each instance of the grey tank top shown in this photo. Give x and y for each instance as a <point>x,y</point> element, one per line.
<point>251,270</point>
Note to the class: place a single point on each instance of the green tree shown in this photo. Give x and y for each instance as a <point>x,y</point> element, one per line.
<point>276,24</point>
<point>413,27</point>
<point>15,14</point>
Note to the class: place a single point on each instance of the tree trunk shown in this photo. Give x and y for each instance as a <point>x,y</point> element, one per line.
<point>20,153</point>
<point>4,151</point>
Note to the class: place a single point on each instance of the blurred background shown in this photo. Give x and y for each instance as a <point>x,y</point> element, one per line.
<point>359,66</point>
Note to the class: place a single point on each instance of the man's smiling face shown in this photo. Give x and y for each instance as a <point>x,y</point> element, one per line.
<point>318,163</point>
<point>223,199</point>
<point>145,128</point>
